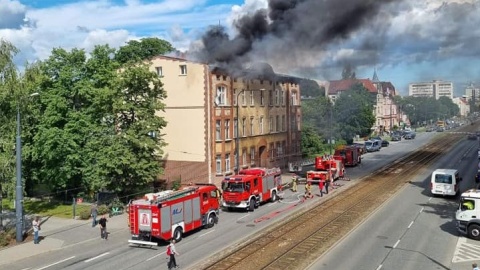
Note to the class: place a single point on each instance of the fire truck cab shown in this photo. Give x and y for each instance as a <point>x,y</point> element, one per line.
<point>250,187</point>
<point>468,214</point>
<point>325,165</point>
<point>169,214</point>
<point>351,155</point>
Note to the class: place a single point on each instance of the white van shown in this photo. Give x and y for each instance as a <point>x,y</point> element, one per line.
<point>445,182</point>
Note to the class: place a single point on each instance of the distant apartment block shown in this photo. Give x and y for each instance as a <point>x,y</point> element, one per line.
<point>472,91</point>
<point>434,89</point>
<point>206,107</point>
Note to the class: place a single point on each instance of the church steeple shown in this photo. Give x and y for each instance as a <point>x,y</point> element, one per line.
<point>375,76</point>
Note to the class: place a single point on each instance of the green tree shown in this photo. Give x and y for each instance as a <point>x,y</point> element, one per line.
<point>312,142</point>
<point>95,120</point>
<point>353,113</point>
<point>144,49</point>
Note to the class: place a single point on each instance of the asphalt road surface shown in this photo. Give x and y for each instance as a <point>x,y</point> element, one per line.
<point>413,230</point>
<point>234,227</point>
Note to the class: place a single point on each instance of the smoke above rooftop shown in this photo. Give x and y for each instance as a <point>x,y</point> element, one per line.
<point>315,37</point>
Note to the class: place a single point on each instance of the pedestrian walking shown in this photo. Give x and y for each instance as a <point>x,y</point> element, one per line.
<point>294,182</point>
<point>171,252</point>
<point>321,184</point>
<point>103,227</point>
<point>36,229</point>
<point>308,190</point>
<point>94,213</point>
<point>475,267</point>
<point>327,183</point>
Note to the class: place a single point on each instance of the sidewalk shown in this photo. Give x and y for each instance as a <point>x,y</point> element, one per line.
<point>59,233</point>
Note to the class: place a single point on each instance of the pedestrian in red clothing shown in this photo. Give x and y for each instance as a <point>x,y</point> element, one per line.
<point>321,183</point>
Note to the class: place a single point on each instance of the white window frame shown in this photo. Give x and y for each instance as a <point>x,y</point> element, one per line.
<point>221,95</point>
<point>262,98</point>
<point>280,149</point>
<point>252,98</point>
<point>218,164</point>
<point>227,129</point>
<point>252,132</point>
<point>159,71</point>
<point>244,99</point>
<point>227,162</point>
<point>244,157</point>
<point>277,100</point>
<point>252,154</point>
<point>183,70</point>
<point>235,101</point>
<point>218,131</point>
<point>260,124</point>
<point>294,99</point>
<point>244,125</point>
<point>270,124</point>
<point>282,96</point>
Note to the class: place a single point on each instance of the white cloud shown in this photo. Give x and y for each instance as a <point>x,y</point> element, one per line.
<point>12,14</point>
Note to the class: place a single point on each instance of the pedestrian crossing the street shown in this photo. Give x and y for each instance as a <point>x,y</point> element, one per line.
<point>466,250</point>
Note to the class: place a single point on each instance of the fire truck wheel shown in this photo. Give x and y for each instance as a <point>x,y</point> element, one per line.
<point>252,205</point>
<point>474,231</point>
<point>210,220</point>
<point>177,235</point>
<point>274,196</point>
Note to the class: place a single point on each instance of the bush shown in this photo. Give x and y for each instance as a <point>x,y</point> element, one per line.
<point>103,210</point>
<point>84,214</point>
<point>6,237</point>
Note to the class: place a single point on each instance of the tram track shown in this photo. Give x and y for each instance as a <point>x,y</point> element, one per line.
<point>294,244</point>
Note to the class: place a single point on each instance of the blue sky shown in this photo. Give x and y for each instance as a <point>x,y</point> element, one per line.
<point>408,41</point>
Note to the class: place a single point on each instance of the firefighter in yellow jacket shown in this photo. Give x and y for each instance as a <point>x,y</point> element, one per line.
<point>294,182</point>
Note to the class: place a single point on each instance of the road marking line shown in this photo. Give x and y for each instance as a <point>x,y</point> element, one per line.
<point>411,223</point>
<point>243,217</point>
<point>396,244</point>
<point>379,267</point>
<point>421,210</point>
<point>206,233</point>
<point>26,268</point>
<point>64,260</point>
<point>430,199</point>
<point>155,256</point>
<point>94,258</point>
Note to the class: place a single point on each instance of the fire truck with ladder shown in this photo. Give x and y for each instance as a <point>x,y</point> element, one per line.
<point>250,187</point>
<point>325,165</point>
<point>351,154</point>
<point>169,214</point>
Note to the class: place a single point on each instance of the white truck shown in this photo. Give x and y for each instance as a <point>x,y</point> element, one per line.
<point>468,214</point>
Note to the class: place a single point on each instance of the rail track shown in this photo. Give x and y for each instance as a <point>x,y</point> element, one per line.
<point>297,242</point>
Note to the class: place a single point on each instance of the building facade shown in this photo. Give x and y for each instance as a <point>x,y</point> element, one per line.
<point>472,92</point>
<point>463,105</point>
<point>206,108</point>
<point>434,89</point>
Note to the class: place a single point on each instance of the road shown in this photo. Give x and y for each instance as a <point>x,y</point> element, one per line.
<point>413,230</point>
<point>232,229</point>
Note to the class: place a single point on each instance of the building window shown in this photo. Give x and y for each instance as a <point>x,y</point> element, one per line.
<point>235,128</point>
<point>260,124</point>
<point>244,157</point>
<point>262,98</point>
<point>294,99</point>
<point>159,71</point>
<point>221,97</point>
<point>277,100</point>
<point>282,97</point>
<point>218,164</point>
<point>244,122</point>
<point>251,126</point>
<point>183,69</point>
<point>244,99</point>
<point>235,97</point>
<point>252,100</point>
<point>277,123</point>
<point>227,162</point>
<point>227,129</point>
<point>270,123</point>
<point>270,97</point>
<point>272,150</point>
<point>283,122</point>
<point>252,154</point>
<point>218,133</point>
<point>279,149</point>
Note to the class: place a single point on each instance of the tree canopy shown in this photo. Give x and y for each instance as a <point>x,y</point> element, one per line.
<point>427,110</point>
<point>144,49</point>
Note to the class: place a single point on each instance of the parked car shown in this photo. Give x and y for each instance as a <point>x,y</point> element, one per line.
<point>472,136</point>
<point>379,139</point>
<point>409,135</point>
<point>372,146</point>
<point>396,136</point>
<point>385,143</point>
<point>440,129</point>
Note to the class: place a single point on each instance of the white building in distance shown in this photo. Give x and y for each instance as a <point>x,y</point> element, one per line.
<point>434,89</point>
<point>472,91</point>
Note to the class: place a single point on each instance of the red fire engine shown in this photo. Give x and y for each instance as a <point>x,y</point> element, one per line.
<point>351,155</point>
<point>251,187</point>
<point>169,214</point>
<point>327,165</point>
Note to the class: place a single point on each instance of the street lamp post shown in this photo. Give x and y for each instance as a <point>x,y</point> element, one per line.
<point>19,186</point>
